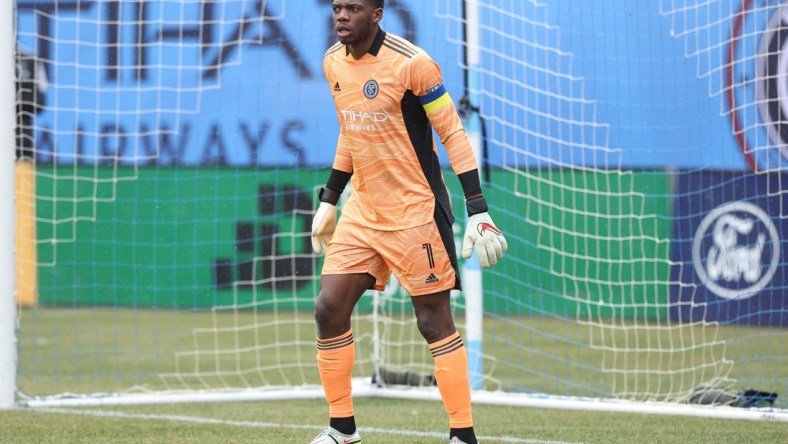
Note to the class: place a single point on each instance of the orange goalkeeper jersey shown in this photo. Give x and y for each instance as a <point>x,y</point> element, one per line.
<point>388,103</point>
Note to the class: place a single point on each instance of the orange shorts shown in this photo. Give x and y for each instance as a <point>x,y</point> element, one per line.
<point>423,258</point>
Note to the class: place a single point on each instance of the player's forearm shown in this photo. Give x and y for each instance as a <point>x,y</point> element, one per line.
<point>448,126</point>
<point>461,157</point>
<point>343,160</point>
<point>458,148</point>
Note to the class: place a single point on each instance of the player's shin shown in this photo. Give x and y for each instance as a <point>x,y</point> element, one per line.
<point>451,374</point>
<point>335,359</point>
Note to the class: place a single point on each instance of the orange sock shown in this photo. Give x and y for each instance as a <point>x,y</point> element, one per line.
<point>335,359</point>
<point>451,373</point>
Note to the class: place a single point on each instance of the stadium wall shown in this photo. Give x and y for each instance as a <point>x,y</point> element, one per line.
<point>248,238</point>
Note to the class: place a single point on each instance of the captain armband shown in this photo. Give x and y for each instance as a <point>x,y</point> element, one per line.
<point>436,98</point>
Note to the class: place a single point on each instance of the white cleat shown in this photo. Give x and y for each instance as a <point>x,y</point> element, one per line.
<point>332,436</point>
<point>455,440</point>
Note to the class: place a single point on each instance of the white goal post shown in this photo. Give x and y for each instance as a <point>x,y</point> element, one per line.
<point>7,212</point>
<point>176,149</point>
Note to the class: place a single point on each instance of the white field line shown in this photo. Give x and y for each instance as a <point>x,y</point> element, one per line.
<point>269,425</point>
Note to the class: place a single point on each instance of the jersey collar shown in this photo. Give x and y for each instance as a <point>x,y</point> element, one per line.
<point>376,44</point>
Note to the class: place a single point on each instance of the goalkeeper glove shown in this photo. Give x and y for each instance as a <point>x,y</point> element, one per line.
<point>482,234</point>
<point>325,221</point>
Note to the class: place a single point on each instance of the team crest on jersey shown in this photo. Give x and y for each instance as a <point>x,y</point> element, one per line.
<point>371,89</point>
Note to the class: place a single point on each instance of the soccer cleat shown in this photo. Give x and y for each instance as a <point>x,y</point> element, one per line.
<point>332,436</point>
<point>455,440</point>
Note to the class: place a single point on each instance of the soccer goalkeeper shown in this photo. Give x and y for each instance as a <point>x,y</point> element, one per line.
<point>389,96</point>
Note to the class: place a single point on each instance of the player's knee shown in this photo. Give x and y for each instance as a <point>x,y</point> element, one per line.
<point>323,312</point>
<point>427,330</point>
<point>332,317</point>
<point>432,327</point>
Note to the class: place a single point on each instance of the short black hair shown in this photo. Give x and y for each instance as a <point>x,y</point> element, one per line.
<point>377,3</point>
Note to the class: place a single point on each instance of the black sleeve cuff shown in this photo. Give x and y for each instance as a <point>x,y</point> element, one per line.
<point>476,205</point>
<point>335,185</point>
<point>471,185</point>
<point>329,196</point>
<point>338,180</point>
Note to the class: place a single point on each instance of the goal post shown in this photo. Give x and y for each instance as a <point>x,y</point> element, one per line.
<point>7,211</point>
<point>473,287</point>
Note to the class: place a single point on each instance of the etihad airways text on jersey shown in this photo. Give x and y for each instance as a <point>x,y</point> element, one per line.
<point>362,120</point>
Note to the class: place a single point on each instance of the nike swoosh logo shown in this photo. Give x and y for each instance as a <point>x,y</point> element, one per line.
<point>484,226</point>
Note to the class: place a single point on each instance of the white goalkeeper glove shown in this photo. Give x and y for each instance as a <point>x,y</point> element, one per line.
<point>482,235</point>
<point>323,225</point>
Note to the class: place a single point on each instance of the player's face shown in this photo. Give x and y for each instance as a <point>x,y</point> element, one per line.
<point>355,20</point>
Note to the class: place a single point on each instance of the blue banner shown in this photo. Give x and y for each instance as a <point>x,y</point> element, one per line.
<point>729,248</point>
<point>194,83</point>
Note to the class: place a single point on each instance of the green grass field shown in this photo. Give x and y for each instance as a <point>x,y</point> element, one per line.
<point>380,421</point>
<point>99,350</point>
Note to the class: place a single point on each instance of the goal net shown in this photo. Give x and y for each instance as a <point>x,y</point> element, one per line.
<point>170,153</point>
